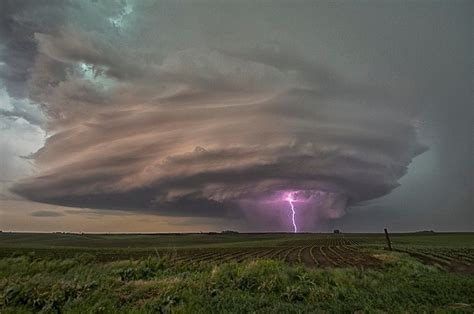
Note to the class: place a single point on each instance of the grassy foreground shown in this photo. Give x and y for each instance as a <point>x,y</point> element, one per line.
<point>84,285</point>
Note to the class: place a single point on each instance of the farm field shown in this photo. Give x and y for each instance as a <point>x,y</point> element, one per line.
<point>452,251</point>
<point>178,272</point>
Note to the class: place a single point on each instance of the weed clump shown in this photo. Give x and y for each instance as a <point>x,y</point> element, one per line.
<point>148,269</point>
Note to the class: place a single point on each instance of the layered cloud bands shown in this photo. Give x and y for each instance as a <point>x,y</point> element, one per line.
<point>195,130</point>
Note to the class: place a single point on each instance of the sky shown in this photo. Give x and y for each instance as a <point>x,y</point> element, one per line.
<point>190,116</point>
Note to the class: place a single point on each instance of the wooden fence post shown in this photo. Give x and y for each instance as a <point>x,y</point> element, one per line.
<point>388,239</point>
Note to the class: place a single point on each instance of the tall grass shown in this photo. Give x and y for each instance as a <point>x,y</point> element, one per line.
<point>83,285</point>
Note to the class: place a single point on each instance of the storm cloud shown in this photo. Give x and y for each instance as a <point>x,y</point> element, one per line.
<point>165,108</point>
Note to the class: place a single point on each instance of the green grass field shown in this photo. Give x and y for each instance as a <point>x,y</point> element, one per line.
<point>201,273</point>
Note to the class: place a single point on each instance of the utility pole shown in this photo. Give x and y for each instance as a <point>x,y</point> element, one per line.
<point>388,239</point>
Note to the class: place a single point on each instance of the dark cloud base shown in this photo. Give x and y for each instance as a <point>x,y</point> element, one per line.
<point>143,201</point>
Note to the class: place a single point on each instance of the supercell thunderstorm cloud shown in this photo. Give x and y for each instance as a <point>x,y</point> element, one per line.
<point>167,108</point>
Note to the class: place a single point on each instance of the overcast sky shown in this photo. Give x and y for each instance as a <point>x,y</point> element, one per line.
<point>161,116</point>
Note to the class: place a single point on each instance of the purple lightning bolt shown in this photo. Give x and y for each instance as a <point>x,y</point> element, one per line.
<point>290,200</point>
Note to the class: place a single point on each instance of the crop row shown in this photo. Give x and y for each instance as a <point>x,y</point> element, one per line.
<point>311,256</point>
<point>443,256</point>
<point>333,255</point>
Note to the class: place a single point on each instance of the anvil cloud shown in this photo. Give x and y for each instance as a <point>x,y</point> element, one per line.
<point>152,114</point>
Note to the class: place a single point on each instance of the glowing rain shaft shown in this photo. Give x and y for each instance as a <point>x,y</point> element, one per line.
<point>290,200</point>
